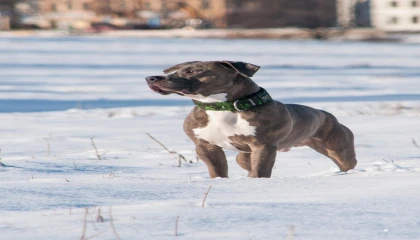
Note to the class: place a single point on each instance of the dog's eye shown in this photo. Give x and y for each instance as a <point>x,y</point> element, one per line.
<point>193,71</point>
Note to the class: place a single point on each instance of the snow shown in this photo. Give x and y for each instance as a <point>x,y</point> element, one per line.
<point>58,93</point>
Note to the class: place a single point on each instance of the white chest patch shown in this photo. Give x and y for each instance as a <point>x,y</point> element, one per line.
<point>221,126</point>
<point>220,97</point>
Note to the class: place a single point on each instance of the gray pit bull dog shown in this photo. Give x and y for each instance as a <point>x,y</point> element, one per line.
<point>233,112</point>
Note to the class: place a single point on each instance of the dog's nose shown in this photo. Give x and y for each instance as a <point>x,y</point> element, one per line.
<point>154,78</point>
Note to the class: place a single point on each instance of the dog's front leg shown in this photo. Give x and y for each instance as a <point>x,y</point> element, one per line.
<point>215,159</point>
<point>262,161</point>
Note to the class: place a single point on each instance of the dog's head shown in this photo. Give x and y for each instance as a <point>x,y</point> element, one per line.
<point>201,79</point>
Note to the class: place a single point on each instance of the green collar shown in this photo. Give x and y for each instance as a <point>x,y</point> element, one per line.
<point>254,100</point>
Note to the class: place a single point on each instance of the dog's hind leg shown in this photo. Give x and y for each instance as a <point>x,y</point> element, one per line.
<point>244,160</point>
<point>338,146</point>
<point>335,141</point>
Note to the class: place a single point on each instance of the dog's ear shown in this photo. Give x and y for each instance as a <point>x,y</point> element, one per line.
<point>176,67</point>
<point>246,69</point>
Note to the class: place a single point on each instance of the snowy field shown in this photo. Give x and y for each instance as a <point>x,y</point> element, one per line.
<point>58,93</point>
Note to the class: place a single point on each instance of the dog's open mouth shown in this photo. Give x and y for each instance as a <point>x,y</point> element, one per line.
<point>163,92</point>
<point>160,91</point>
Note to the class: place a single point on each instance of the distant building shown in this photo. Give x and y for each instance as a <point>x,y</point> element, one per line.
<point>353,13</point>
<point>121,8</point>
<point>4,23</point>
<point>63,14</point>
<point>387,15</point>
<point>7,15</point>
<point>396,15</point>
<point>180,13</point>
<point>79,14</point>
<point>125,8</point>
<point>281,13</point>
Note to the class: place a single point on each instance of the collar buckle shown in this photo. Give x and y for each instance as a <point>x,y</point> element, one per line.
<point>235,105</point>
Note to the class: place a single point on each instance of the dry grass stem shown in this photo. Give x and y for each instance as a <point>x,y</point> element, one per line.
<point>96,149</point>
<point>414,143</point>
<point>161,144</point>
<point>99,217</point>
<point>176,226</point>
<point>180,156</point>
<point>75,166</point>
<point>205,195</point>
<point>111,223</point>
<point>48,146</point>
<point>84,225</point>
<point>291,234</point>
<point>1,164</point>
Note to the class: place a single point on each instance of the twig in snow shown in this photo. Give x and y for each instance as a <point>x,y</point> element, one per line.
<point>99,217</point>
<point>75,166</point>
<point>414,143</point>
<point>205,195</point>
<point>84,225</point>
<point>48,146</point>
<point>96,149</point>
<point>1,164</point>
<point>180,156</point>
<point>291,234</point>
<point>161,144</point>
<point>176,226</point>
<point>94,209</point>
<point>112,223</point>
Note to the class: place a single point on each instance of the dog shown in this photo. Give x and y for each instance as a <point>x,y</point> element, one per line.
<point>232,112</point>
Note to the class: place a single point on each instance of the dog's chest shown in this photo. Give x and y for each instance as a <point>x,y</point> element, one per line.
<point>222,125</point>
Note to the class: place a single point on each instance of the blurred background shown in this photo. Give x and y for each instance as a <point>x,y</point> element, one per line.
<point>63,54</point>
<point>92,15</point>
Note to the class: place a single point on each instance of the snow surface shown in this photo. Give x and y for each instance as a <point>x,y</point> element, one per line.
<point>52,174</point>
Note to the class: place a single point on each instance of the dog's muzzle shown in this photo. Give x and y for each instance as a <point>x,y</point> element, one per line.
<point>153,82</point>
<point>153,79</point>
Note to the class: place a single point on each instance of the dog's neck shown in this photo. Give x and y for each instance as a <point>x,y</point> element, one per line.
<point>254,100</point>
<point>241,89</point>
